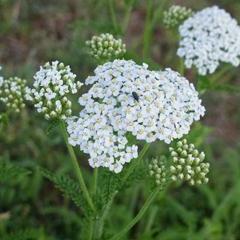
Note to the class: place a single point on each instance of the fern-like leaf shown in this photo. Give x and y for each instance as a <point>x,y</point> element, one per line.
<point>10,172</point>
<point>70,188</point>
<point>109,183</point>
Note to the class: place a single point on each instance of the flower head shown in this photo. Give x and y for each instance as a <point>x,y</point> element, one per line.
<point>208,38</point>
<point>53,83</point>
<point>158,171</point>
<point>188,164</point>
<point>129,98</point>
<point>175,15</point>
<point>105,46</point>
<point>12,93</point>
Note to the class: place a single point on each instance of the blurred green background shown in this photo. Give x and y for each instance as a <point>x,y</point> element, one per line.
<point>35,31</point>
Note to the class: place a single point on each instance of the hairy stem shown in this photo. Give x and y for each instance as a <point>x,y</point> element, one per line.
<point>138,217</point>
<point>77,167</point>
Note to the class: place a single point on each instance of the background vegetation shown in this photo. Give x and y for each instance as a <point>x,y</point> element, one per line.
<point>33,32</point>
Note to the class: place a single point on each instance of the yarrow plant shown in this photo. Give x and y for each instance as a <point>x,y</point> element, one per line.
<point>209,37</point>
<point>105,46</point>
<point>125,108</point>
<point>129,98</point>
<point>175,15</point>
<point>12,92</point>
<point>51,88</point>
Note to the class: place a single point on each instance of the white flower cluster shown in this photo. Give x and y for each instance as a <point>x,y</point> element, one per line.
<point>175,15</point>
<point>129,98</point>
<point>188,164</point>
<point>105,46</point>
<point>209,37</point>
<point>12,93</point>
<point>53,82</point>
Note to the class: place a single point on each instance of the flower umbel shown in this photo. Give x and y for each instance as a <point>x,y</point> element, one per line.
<point>157,170</point>
<point>51,88</point>
<point>188,164</point>
<point>12,93</point>
<point>175,15</point>
<point>129,98</point>
<point>105,46</point>
<point>208,38</point>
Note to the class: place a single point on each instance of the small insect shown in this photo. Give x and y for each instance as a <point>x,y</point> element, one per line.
<point>135,96</point>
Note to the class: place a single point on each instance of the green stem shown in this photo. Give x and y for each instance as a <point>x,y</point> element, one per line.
<point>150,221</point>
<point>95,176</point>
<point>113,15</point>
<point>90,236</point>
<point>77,167</point>
<point>101,221</point>
<point>138,217</point>
<point>147,29</point>
<point>181,67</point>
<point>127,16</point>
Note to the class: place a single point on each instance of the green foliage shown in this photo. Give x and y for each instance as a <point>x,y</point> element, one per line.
<point>10,172</point>
<point>108,184</point>
<point>70,188</point>
<point>27,234</point>
<point>43,30</point>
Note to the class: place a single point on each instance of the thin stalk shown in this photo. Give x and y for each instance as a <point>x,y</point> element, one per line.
<point>101,221</point>
<point>90,236</point>
<point>138,217</point>
<point>113,14</point>
<point>151,218</point>
<point>77,167</point>
<point>127,16</point>
<point>220,73</point>
<point>147,29</point>
<point>181,67</point>
<point>95,176</point>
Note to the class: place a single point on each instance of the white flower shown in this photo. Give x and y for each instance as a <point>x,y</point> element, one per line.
<point>208,38</point>
<point>53,82</point>
<point>128,98</point>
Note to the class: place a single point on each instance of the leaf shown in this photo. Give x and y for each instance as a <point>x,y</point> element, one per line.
<point>52,126</point>
<point>11,172</point>
<point>70,188</point>
<point>28,234</point>
<point>109,183</point>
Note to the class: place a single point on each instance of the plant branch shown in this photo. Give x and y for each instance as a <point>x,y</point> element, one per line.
<point>77,167</point>
<point>138,217</point>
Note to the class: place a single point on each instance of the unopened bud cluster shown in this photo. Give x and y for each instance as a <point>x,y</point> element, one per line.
<point>157,170</point>
<point>188,164</point>
<point>50,93</point>
<point>175,15</point>
<point>12,93</point>
<point>105,46</point>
